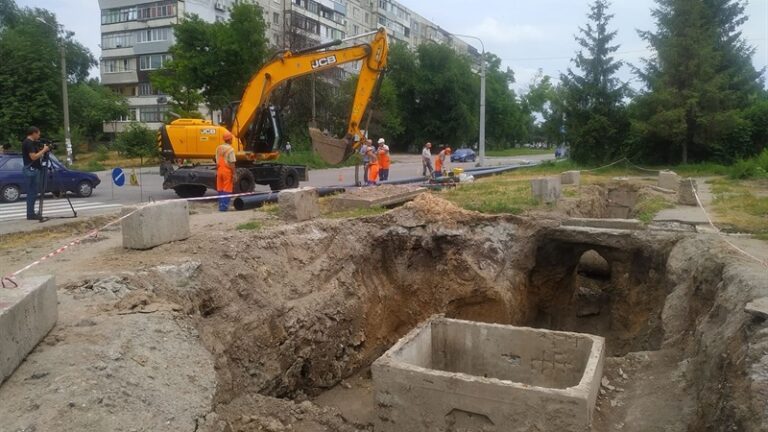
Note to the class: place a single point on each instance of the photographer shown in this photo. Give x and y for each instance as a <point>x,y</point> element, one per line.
<point>32,153</point>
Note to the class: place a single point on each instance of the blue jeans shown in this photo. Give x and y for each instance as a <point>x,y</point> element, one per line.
<point>32,177</point>
<point>224,201</point>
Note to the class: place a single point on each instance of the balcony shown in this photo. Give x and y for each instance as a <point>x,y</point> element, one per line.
<point>119,77</point>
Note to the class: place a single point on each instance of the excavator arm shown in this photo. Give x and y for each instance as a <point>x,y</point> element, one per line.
<point>290,65</point>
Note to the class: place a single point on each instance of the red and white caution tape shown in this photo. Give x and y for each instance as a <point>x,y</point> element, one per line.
<point>9,282</point>
<point>720,233</point>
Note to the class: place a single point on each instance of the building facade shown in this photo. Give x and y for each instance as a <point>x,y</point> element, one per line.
<point>136,36</point>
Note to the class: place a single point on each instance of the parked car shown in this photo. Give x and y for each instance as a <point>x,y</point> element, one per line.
<point>463,155</point>
<point>60,179</point>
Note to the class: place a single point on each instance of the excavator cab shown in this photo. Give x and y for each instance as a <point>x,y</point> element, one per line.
<point>264,135</point>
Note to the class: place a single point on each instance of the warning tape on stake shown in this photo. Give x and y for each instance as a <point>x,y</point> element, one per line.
<point>720,233</point>
<point>9,282</point>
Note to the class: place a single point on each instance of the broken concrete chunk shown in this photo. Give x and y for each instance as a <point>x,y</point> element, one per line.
<point>298,204</point>
<point>758,307</point>
<point>571,178</point>
<point>686,193</point>
<point>669,180</point>
<point>546,189</point>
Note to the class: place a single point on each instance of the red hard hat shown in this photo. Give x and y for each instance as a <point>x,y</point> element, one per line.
<point>227,136</point>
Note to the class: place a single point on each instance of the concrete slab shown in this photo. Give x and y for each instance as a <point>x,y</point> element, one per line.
<point>685,192</point>
<point>669,180</point>
<point>686,214</point>
<point>758,307</point>
<point>570,178</point>
<point>622,224</point>
<point>298,204</point>
<point>155,224</point>
<point>375,196</point>
<point>459,375</point>
<point>27,314</point>
<point>546,189</point>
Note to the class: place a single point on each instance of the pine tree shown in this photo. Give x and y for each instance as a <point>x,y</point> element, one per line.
<point>699,82</point>
<point>595,120</point>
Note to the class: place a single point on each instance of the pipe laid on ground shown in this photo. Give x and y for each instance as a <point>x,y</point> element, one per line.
<point>256,201</point>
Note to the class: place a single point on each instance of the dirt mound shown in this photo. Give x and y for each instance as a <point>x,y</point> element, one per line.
<point>428,208</point>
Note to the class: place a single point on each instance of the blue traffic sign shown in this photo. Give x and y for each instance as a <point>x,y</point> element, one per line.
<point>118,177</point>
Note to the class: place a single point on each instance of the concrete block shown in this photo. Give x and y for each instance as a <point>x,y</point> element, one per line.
<point>27,314</point>
<point>156,224</point>
<point>571,178</point>
<point>547,189</point>
<point>685,192</point>
<point>622,224</point>
<point>298,204</point>
<point>459,375</point>
<point>669,180</point>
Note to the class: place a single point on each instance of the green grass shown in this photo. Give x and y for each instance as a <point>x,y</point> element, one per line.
<point>311,160</point>
<point>90,166</point>
<point>737,208</point>
<point>646,209</point>
<point>518,152</point>
<point>251,226</point>
<point>499,194</point>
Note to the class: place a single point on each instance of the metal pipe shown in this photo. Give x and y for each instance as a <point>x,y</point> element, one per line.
<point>256,201</point>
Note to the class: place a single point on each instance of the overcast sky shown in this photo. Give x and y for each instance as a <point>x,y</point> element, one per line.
<point>526,34</point>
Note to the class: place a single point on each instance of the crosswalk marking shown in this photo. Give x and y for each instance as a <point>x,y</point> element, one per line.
<point>18,210</point>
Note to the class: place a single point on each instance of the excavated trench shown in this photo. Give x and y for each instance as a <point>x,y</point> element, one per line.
<point>311,305</point>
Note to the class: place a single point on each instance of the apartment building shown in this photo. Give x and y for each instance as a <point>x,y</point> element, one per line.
<point>135,40</point>
<point>136,36</point>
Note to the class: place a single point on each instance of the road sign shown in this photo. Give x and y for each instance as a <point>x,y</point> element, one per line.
<point>118,177</point>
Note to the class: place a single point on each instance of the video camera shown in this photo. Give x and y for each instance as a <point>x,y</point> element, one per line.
<point>42,142</point>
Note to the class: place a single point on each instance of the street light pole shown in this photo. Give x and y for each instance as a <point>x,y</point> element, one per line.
<point>64,92</point>
<point>481,143</point>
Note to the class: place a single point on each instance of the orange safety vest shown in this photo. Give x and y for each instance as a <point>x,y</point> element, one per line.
<point>438,163</point>
<point>384,161</point>
<point>224,174</point>
<point>373,166</point>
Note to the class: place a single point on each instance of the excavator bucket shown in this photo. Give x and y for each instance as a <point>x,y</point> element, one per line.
<point>332,150</point>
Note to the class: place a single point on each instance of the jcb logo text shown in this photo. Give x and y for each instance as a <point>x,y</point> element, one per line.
<point>325,61</point>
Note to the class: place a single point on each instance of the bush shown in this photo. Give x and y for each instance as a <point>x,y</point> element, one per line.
<point>102,153</point>
<point>756,167</point>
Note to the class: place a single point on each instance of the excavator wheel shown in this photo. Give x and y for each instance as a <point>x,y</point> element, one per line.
<point>245,181</point>
<point>332,150</point>
<point>289,179</point>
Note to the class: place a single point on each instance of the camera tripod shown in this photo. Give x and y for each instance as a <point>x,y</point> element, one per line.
<point>48,171</point>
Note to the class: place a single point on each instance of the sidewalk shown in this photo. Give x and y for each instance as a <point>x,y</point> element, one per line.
<point>690,214</point>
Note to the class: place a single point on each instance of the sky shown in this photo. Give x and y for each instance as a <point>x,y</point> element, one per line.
<point>527,35</point>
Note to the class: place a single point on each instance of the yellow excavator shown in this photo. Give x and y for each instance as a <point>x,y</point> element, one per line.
<point>255,122</point>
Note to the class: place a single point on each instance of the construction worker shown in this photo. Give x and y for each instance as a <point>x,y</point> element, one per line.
<point>384,161</point>
<point>364,149</point>
<point>440,160</point>
<point>225,170</point>
<point>426,159</point>
<point>373,166</point>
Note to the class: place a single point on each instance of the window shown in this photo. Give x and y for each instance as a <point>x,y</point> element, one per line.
<point>153,113</point>
<point>275,18</point>
<point>131,116</point>
<point>146,89</point>
<point>153,61</point>
<point>118,65</point>
<point>13,164</point>
<point>116,40</point>
<point>154,35</point>
<point>355,29</point>
<point>156,10</point>
<point>366,17</point>
<point>111,16</point>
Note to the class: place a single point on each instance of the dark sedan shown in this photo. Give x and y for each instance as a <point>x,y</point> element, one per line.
<point>463,155</point>
<point>60,179</point>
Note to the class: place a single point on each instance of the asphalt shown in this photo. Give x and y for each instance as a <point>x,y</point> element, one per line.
<point>108,198</point>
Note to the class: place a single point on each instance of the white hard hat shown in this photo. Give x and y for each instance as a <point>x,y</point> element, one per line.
<point>381,140</point>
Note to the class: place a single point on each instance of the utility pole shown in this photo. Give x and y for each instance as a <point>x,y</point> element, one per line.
<point>481,143</point>
<point>64,90</point>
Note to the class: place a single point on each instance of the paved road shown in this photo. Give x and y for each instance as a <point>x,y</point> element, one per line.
<point>109,198</point>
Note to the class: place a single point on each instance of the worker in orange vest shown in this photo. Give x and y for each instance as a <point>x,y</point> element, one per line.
<point>384,161</point>
<point>225,170</point>
<point>440,161</point>
<point>373,167</point>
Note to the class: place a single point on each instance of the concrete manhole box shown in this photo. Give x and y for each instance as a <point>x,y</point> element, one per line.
<point>454,375</point>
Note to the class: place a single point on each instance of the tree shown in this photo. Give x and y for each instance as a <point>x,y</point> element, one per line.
<point>593,112</point>
<point>30,80</point>
<point>699,82</point>
<point>213,62</point>
<point>91,104</point>
<point>503,112</point>
<point>137,141</point>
